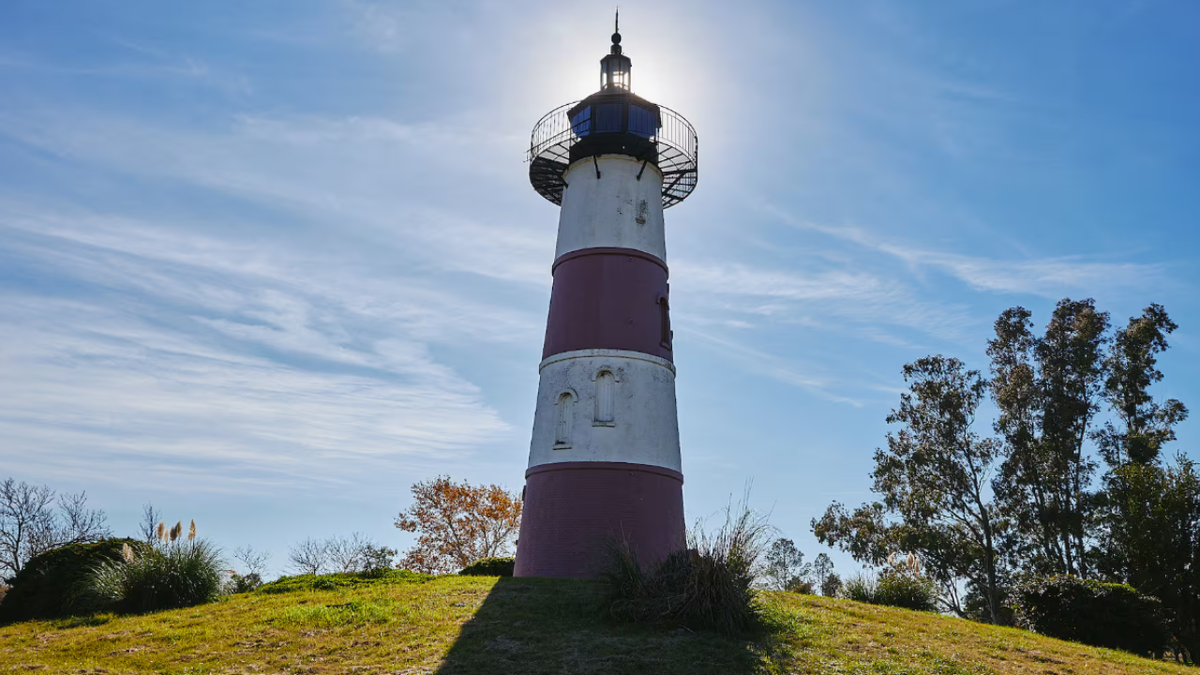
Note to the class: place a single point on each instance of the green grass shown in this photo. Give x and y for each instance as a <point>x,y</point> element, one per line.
<point>467,625</point>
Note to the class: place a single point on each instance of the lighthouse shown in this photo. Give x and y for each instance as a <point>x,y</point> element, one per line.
<point>604,461</point>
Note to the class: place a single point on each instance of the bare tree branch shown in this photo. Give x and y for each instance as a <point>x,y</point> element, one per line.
<point>253,562</point>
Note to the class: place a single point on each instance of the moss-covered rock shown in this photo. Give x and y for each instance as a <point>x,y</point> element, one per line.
<point>49,584</point>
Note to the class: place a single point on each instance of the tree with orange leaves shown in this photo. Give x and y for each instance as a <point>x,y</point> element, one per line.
<point>458,524</point>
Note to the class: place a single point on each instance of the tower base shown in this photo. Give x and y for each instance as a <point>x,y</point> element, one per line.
<point>574,511</point>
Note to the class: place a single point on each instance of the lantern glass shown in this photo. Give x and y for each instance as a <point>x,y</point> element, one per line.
<point>614,72</point>
<point>581,122</point>
<point>642,122</point>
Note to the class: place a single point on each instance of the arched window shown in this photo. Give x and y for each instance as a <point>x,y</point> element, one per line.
<point>605,382</point>
<point>566,413</point>
<point>664,320</point>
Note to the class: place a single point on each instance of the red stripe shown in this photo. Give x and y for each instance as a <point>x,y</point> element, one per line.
<point>605,299</point>
<point>572,515</point>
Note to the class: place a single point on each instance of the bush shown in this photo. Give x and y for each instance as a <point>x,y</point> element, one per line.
<point>802,588</point>
<point>832,585</point>
<point>1092,612</point>
<point>243,583</point>
<point>708,587</point>
<point>49,585</point>
<point>897,588</point>
<point>176,574</point>
<point>377,560</point>
<point>490,567</point>
<point>893,588</point>
<point>860,588</point>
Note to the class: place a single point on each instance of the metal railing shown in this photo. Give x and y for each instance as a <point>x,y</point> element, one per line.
<point>553,136</point>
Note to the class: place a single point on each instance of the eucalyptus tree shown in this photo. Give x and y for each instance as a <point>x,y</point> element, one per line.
<point>1149,511</point>
<point>933,480</point>
<point>1048,390</point>
<point>1146,425</point>
<point>784,568</point>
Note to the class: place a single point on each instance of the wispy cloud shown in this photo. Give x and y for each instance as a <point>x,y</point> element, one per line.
<point>204,354</point>
<point>791,371</point>
<point>377,178</point>
<point>1050,277</point>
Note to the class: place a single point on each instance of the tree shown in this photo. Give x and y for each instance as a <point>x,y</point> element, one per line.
<point>822,567</point>
<point>253,561</point>
<point>29,523</point>
<point>377,558</point>
<point>310,556</point>
<point>1149,512</point>
<point>1151,538</point>
<point>934,481</point>
<point>148,527</point>
<point>350,554</point>
<point>1131,365</point>
<point>784,568</point>
<point>457,524</point>
<point>1048,391</point>
<point>831,586</point>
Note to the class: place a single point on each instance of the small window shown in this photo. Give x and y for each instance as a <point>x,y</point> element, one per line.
<point>605,382</point>
<point>566,414</point>
<point>664,320</point>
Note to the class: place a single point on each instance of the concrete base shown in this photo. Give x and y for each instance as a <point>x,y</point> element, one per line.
<point>575,510</point>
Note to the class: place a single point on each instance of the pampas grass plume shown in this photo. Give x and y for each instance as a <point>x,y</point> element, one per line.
<point>192,530</point>
<point>127,553</point>
<point>177,530</point>
<point>162,531</point>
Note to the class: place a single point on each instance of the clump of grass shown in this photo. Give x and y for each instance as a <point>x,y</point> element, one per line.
<point>901,585</point>
<point>707,587</point>
<point>352,613</point>
<point>174,573</point>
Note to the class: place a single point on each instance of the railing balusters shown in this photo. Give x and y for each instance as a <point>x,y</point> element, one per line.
<point>676,140</point>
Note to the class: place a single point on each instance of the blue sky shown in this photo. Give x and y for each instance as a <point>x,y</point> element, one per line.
<point>267,264</point>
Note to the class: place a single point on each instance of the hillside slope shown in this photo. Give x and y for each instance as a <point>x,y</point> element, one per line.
<point>468,625</point>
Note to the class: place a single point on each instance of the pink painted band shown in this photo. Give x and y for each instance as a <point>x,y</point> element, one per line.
<point>605,299</point>
<point>575,511</point>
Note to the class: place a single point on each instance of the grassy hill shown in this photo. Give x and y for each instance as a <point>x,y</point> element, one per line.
<point>474,625</point>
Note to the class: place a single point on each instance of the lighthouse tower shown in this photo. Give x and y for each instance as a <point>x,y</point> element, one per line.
<point>604,461</point>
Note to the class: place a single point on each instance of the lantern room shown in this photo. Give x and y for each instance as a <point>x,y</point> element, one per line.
<point>614,68</point>
<point>614,120</point>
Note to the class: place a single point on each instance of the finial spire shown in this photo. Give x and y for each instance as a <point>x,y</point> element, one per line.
<point>616,36</point>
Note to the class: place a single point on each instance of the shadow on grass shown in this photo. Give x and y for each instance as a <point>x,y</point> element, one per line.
<point>533,626</point>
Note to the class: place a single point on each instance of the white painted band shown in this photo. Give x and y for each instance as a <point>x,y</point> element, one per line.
<point>622,208</point>
<point>603,406</point>
<point>618,353</point>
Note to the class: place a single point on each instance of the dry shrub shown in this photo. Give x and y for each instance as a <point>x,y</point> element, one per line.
<point>707,587</point>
